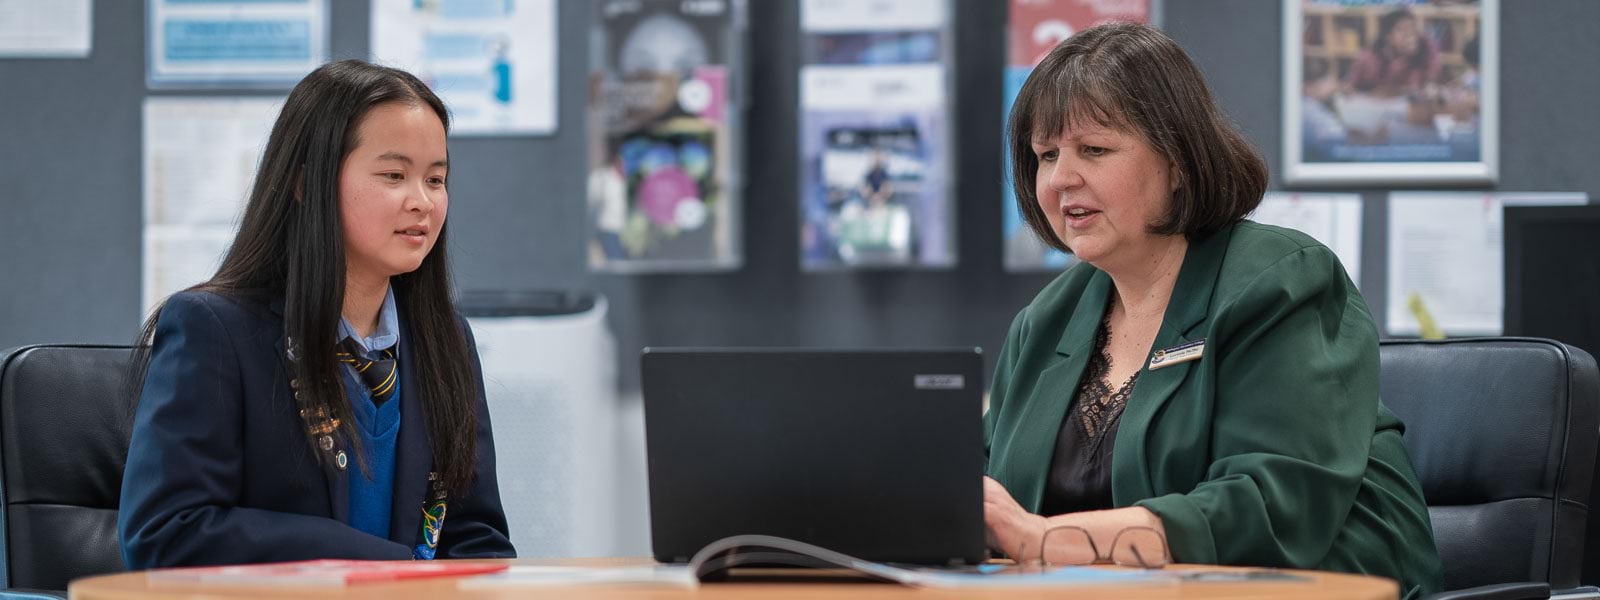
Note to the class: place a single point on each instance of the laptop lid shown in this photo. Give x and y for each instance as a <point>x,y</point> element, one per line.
<point>877,454</point>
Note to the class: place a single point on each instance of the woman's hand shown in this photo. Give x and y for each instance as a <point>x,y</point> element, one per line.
<point>1012,529</point>
<point>1019,533</point>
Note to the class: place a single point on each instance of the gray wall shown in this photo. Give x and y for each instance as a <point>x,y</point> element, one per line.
<point>70,187</point>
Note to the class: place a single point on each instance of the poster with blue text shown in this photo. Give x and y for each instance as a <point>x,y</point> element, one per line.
<point>493,62</point>
<point>253,43</point>
<point>1036,27</point>
<point>874,132</point>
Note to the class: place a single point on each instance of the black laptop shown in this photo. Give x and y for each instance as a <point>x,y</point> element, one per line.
<point>877,454</point>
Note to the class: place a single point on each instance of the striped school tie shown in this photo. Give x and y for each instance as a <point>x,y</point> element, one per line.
<point>380,376</point>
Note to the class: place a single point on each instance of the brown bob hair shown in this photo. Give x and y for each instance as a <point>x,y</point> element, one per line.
<point>1135,79</point>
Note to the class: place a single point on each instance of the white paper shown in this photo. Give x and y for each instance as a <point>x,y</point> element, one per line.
<point>881,87</point>
<point>493,63</point>
<point>200,157</point>
<point>46,28</point>
<point>539,576</point>
<point>1333,219</point>
<point>825,16</point>
<point>179,256</point>
<point>1448,249</point>
<point>262,43</point>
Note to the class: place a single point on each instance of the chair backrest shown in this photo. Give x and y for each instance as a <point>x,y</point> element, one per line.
<point>1591,546</point>
<point>1502,432</point>
<point>65,418</point>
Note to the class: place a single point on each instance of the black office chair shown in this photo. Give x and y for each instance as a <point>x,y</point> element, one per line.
<point>1591,548</point>
<point>65,418</point>
<point>1502,432</point>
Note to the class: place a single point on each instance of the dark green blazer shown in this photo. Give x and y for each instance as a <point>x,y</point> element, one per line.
<point>1271,449</point>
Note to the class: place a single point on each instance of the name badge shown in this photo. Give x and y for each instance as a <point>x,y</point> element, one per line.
<point>1181,353</point>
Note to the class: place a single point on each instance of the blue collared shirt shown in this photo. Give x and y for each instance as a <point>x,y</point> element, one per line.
<point>371,500</point>
<point>385,336</point>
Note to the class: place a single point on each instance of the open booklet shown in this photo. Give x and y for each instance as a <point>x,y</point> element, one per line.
<point>716,560</point>
<point>733,557</point>
<point>761,557</point>
<point>322,572</point>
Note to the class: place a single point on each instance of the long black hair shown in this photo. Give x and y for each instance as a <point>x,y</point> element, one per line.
<point>1386,24</point>
<point>291,246</point>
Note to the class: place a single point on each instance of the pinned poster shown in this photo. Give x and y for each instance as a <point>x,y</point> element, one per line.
<point>493,62</point>
<point>1035,28</point>
<point>1333,219</point>
<point>875,189</point>
<point>54,29</point>
<point>1447,258</point>
<point>1391,91</point>
<point>664,192</point>
<point>200,157</point>
<point>253,43</point>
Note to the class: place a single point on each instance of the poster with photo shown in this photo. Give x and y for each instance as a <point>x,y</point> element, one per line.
<point>874,135</point>
<point>1034,29</point>
<point>1391,91</point>
<point>217,43</point>
<point>663,187</point>
<point>493,63</point>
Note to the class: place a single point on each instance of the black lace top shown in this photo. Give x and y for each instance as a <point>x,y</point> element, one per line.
<point>1080,472</point>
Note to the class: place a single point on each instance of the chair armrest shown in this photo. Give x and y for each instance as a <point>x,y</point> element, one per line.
<point>23,594</point>
<point>1582,592</point>
<point>1525,590</point>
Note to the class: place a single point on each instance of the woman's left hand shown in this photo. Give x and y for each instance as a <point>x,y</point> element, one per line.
<point>1012,529</point>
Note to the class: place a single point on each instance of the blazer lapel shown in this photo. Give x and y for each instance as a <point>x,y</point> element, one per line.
<point>1188,307</point>
<point>413,457</point>
<point>1029,466</point>
<point>338,480</point>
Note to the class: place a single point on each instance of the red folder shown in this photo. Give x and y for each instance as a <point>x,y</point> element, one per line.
<point>324,572</point>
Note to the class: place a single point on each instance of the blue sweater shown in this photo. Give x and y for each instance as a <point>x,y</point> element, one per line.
<point>371,500</point>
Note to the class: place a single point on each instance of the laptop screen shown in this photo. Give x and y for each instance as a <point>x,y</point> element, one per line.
<point>873,453</point>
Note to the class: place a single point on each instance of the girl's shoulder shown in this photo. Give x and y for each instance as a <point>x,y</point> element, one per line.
<point>226,307</point>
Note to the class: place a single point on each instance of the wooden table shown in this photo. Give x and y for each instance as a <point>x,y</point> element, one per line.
<point>1322,586</point>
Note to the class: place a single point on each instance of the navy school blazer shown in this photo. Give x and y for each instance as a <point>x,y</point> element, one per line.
<point>219,470</point>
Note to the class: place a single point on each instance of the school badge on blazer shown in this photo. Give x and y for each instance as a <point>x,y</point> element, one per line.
<point>1180,353</point>
<point>434,508</point>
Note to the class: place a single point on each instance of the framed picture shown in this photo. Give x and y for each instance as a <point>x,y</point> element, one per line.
<point>1391,91</point>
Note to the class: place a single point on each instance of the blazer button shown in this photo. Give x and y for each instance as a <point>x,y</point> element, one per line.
<point>340,460</point>
<point>327,443</point>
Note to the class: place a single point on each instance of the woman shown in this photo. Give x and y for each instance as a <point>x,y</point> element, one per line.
<point>319,397</point>
<point>1209,379</point>
<point>1401,62</point>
